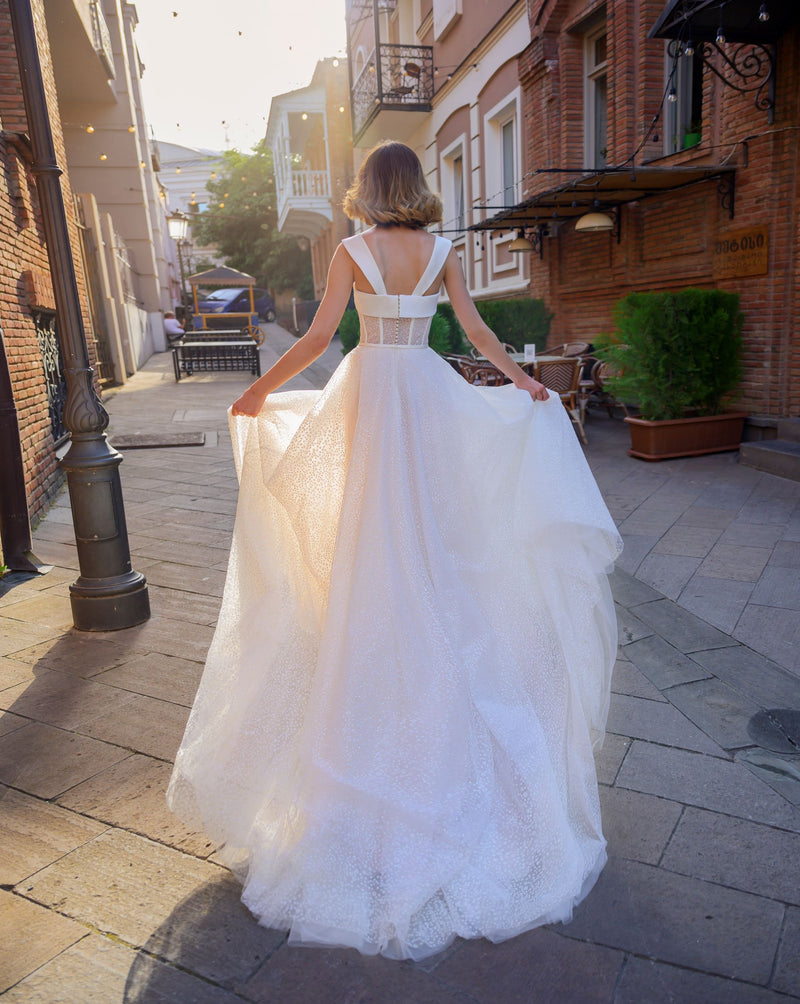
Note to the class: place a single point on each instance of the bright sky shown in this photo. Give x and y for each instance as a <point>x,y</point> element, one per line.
<point>214,61</point>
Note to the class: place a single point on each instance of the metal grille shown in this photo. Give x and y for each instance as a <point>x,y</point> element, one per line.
<point>53,366</point>
<point>403,79</point>
<point>101,38</point>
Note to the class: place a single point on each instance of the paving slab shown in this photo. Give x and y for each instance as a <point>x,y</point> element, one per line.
<point>10,722</point>
<point>174,906</point>
<point>637,547</point>
<point>78,652</point>
<point>667,573</point>
<point>166,635</point>
<point>680,628</point>
<point>787,969</point>
<point>627,679</point>
<point>165,677</point>
<point>609,758</point>
<point>46,608</point>
<point>720,602</point>
<point>628,590</point>
<point>785,554</point>
<point>751,534</point>
<point>132,796</point>
<point>174,575</point>
<point>779,586</point>
<point>62,699</point>
<point>646,982</point>
<point>46,935</point>
<point>735,561</point>
<point>144,724</point>
<point>657,722</point>
<point>34,833</point>
<point>685,921</point>
<point>763,681</point>
<point>773,632</point>
<point>707,516</point>
<point>46,761</point>
<point>565,970</point>
<point>781,773</point>
<point>721,712</point>
<point>637,826</point>
<point>15,637</point>
<point>663,664</point>
<point>97,970</point>
<point>736,853</point>
<point>705,781</point>
<point>629,627</point>
<point>688,541</point>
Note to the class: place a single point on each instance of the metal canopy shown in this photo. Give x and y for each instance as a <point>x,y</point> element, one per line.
<point>700,20</point>
<point>221,276</point>
<point>604,190</point>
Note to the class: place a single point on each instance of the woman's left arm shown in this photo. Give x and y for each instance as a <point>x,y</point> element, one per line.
<point>311,345</point>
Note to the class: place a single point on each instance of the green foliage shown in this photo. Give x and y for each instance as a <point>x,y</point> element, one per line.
<point>349,330</point>
<point>241,222</point>
<point>675,352</point>
<point>517,322</point>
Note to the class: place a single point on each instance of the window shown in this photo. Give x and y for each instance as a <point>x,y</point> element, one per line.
<point>502,153</point>
<point>454,185</point>
<point>596,98</point>
<point>458,191</point>
<point>683,116</point>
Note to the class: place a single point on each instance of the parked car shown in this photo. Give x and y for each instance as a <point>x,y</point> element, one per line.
<point>237,301</point>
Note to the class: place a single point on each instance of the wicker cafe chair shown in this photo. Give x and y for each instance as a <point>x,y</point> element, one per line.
<point>476,355</point>
<point>563,376</point>
<point>601,395</point>
<point>568,349</point>
<point>483,374</point>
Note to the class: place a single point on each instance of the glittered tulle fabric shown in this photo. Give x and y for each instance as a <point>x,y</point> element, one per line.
<point>392,740</point>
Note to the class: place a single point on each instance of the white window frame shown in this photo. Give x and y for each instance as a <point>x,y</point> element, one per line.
<point>447,159</point>
<point>592,72</point>
<point>505,111</point>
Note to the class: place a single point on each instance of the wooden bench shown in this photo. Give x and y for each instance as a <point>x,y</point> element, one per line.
<point>190,357</point>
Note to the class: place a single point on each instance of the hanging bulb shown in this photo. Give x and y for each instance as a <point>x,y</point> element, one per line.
<point>335,62</point>
<point>177,170</point>
<point>763,13</point>
<point>720,39</point>
<point>689,49</point>
<point>90,128</point>
<point>304,116</point>
<point>131,128</point>
<point>341,108</point>
<point>103,156</point>
<point>672,95</point>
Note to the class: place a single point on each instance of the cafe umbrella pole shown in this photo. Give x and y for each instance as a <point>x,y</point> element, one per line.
<point>108,593</point>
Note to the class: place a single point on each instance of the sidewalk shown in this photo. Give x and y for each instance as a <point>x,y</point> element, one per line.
<point>105,897</point>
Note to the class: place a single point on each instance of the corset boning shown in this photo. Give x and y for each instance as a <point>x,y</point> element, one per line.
<point>395,321</point>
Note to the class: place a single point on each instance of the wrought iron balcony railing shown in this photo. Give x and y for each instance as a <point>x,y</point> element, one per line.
<point>401,79</point>
<point>101,38</point>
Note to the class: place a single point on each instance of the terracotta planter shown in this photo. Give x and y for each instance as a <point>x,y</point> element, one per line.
<point>685,437</point>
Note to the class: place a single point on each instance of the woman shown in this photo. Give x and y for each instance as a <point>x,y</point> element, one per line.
<point>392,740</point>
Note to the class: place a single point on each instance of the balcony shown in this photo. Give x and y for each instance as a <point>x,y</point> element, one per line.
<point>303,201</point>
<point>101,38</point>
<point>390,96</point>
<point>82,49</point>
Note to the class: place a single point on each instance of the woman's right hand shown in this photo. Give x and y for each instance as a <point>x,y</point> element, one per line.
<point>537,391</point>
<point>250,403</point>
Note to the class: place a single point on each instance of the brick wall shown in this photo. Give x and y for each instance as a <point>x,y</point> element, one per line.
<point>25,282</point>
<point>667,241</point>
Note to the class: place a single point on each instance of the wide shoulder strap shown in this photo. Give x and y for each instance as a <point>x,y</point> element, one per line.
<point>359,251</point>
<point>441,249</point>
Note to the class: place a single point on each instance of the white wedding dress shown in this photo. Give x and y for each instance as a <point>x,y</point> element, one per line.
<point>392,740</point>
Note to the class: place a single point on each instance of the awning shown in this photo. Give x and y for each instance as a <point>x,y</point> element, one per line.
<point>603,190</point>
<point>222,276</point>
<point>700,20</point>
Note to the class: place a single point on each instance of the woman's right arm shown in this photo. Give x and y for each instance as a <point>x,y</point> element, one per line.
<point>312,344</point>
<point>479,333</point>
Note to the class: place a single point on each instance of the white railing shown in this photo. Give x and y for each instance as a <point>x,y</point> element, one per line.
<point>101,37</point>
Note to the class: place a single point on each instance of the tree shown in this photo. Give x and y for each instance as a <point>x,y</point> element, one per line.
<point>241,221</point>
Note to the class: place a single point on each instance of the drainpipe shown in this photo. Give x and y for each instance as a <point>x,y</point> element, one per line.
<point>108,594</point>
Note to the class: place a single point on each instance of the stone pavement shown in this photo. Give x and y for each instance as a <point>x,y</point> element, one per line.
<point>105,897</point>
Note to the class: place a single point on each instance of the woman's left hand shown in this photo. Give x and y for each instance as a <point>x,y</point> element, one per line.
<point>537,391</point>
<point>250,403</point>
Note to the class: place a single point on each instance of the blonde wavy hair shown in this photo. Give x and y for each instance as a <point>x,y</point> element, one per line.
<point>390,189</point>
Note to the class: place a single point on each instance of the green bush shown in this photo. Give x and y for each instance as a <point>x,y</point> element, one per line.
<point>517,322</point>
<point>675,352</point>
<point>349,330</point>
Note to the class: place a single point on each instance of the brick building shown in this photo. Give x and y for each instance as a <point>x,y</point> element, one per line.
<point>647,112</point>
<point>30,355</point>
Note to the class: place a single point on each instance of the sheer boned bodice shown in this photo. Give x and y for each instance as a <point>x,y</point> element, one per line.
<point>396,320</point>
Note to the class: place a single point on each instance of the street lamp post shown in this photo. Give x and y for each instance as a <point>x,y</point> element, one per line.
<point>178,225</point>
<point>108,593</point>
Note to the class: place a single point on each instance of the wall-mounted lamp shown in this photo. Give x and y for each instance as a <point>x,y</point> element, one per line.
<point>520,243</point>
<point>594,223</point>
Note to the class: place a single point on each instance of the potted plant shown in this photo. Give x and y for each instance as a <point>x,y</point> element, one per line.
<point>692,135</point>
<point>677,356</point>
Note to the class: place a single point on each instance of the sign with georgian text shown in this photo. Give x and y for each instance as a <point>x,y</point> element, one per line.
<point>741,252</point>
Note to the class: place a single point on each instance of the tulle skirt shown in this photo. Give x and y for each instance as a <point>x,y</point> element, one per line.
<point>392,743</point>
